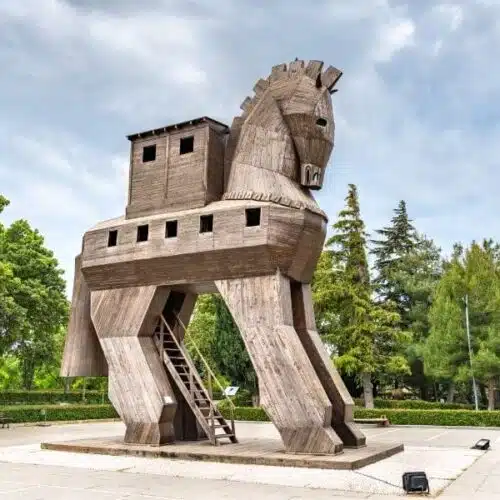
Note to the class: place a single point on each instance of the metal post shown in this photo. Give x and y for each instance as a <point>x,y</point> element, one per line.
<point>474,386</point>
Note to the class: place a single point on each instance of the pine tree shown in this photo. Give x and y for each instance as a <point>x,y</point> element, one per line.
<point>399,240</point>
<point>363,336</point>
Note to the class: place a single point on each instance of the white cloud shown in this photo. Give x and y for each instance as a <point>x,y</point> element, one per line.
<point>452,14</point>
<point>416,112</point>
<point>393,37</point>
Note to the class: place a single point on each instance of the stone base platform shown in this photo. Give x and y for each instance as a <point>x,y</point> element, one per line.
<point>247,451</point>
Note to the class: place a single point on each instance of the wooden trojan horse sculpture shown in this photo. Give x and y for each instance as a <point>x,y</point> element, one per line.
<point>227,210</point>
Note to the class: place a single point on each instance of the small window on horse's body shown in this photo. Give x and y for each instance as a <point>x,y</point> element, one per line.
<point>206,223</point>
<point>171,229</point>
<point>142,233</point>
<point>112,238</point>
<point>252,217</point>
<point>321,122</point>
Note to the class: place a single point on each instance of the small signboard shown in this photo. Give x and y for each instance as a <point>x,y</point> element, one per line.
<point>230,391</point>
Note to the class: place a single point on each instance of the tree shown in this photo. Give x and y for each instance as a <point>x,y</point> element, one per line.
<point>34,306</point>
<point>363,336</point>
<point>229,352</point>
<point>399,240</point>
<point>416,276</point>
<point>201,333</point>
<point>473,272</point>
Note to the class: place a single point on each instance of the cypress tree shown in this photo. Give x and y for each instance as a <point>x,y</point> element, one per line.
<point>364,336</point>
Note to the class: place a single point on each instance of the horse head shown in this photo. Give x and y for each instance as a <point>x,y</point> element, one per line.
<point>287,128</point>
<point>306,107</point>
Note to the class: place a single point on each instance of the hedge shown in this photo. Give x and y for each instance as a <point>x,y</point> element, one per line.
<point>415,404</point>
<point>464,418</point>
<point>396,416</point>
<point>50,397</point>
<point>32,413</point>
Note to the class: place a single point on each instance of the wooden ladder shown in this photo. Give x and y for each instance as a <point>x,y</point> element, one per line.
<point>182,370</point>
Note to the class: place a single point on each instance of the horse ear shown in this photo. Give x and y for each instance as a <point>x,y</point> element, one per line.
<point>318,81</point>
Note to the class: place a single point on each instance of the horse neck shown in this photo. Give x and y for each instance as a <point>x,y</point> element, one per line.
<point>264,142</point>
<point>264,163</point>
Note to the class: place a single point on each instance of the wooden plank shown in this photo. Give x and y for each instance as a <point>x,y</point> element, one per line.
<point>290,390</point>
<point>332,383</point>
<point>83,356</point>
<point>268,452</point>
<point>138,387</point>
<point>275,153</point>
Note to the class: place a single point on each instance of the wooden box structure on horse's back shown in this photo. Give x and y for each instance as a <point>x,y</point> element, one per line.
<point>220,209</point>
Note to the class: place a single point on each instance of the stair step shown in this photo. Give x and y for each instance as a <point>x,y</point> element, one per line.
<point>218,436</point>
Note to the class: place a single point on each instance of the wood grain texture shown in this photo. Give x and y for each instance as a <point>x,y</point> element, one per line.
<point>342,403</point>
<point>290,390</point>
<point>83,356</point>
<point>173,180</point>
<point>138,385</point>
<point>286,238</point>
<point>274,154</point>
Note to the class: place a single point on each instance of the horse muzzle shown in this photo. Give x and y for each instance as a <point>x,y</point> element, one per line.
<point>311,176</point>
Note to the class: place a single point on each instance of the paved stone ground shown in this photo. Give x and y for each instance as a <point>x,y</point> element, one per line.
<point>30,473</point>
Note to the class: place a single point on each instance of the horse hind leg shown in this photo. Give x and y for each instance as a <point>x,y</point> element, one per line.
<point>290,390</point>
<point>342,403</point>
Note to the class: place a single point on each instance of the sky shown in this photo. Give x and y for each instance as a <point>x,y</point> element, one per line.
<point>417,109</point>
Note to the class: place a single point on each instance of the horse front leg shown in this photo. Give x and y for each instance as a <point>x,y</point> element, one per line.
<point>139,388</point>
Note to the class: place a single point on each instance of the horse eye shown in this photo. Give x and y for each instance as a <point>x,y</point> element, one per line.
<point>321,122</point>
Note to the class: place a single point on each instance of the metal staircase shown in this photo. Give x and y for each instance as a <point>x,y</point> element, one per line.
<point>181,368</point>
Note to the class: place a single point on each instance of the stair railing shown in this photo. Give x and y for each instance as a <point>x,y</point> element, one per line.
<point>193,374</point>
<point>210,374</point>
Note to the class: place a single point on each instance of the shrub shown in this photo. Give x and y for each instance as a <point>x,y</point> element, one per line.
<point>434,417</point>
<point>415,404</point>
<point>243,412</point>
<point>50,397</point>
<point>32,413</point>
<point>395,416</point>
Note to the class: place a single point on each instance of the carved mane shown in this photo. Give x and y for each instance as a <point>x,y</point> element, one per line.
<point>280,81</point>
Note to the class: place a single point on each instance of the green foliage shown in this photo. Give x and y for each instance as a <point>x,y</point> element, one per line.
<point>229,353</point>
<point>399,240</point>
<point>363,336</point>
<point>408,268</point>
<point>51,397</point>
<point>464,418</point>
<point>201,332</point>
<point>18,414</point>
<point>33,306</point>
<point>473,272</point>
<point>416,404</point>
<point>247,413</point>
<point>9,373</point>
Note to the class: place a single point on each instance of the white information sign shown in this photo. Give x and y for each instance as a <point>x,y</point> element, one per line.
<point>230,391</point>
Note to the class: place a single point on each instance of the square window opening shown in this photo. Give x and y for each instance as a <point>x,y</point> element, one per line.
<point>171,229</point>
<point>206,223</point>
<point>142,233</point>
<point>252,217</point>
<point>113,238</point>
<point>149,153</point>
<point>186,145</point>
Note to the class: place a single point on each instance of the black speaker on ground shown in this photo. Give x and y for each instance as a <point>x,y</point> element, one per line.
<point>482,444</point>
<point>414,482</point>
